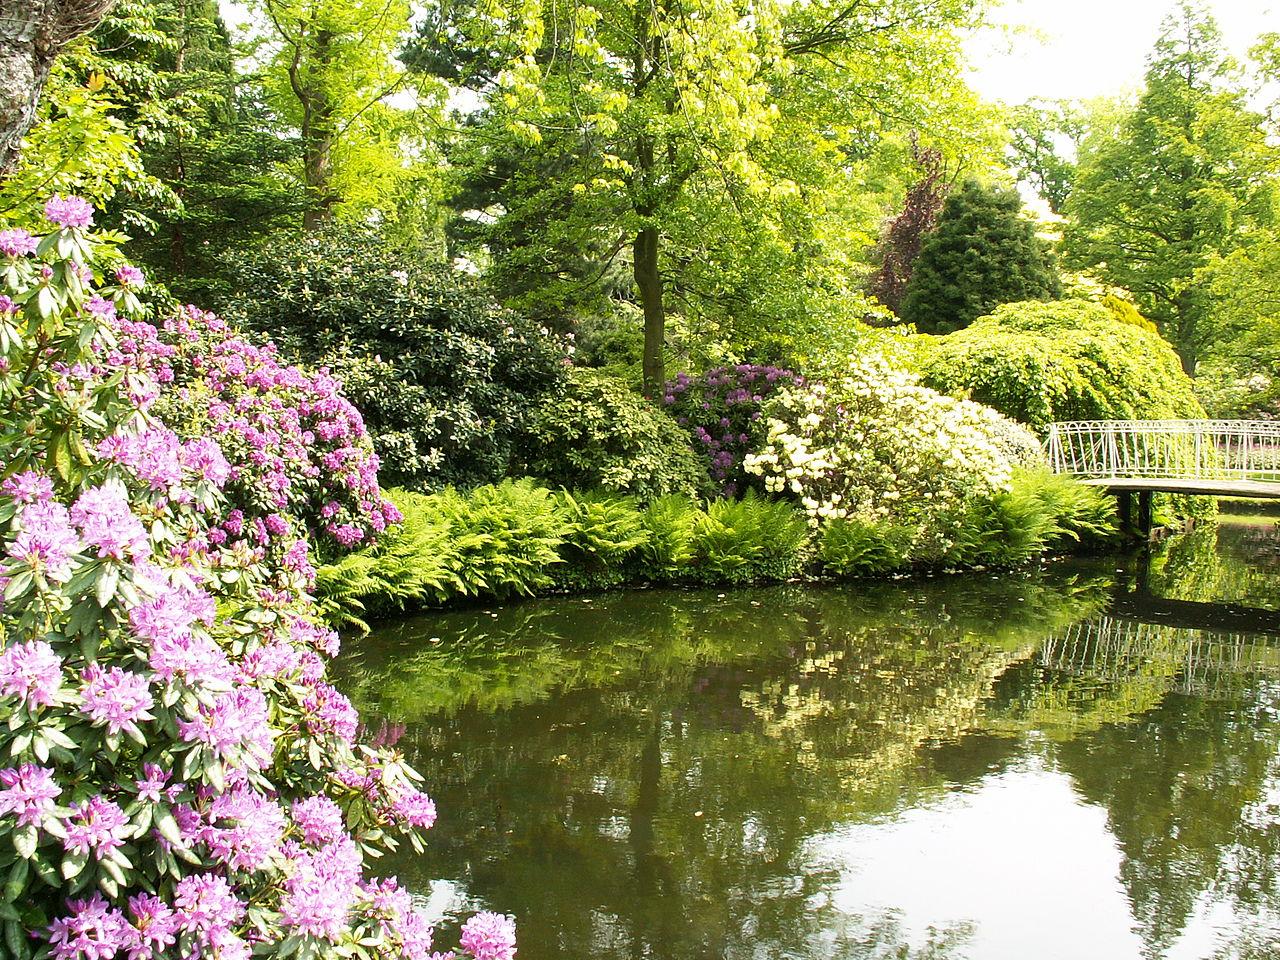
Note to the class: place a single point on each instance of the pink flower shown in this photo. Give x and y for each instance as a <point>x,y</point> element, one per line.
<point>489,936</point>
<point>116,698</point>
<point>321,889</point>
<point>17,243</point>
<point>45,541</point>
<point>204,457</point>
<point>245,828</point>
<point>330,712</point>
<point>153,783</point>
<point>414,808</point>
<point>92,931</point>
<point>95,826</point>
<point>319,819</point>
<point>32,672</point>
<point>69,212</point>
<point>236,723</point>
<point>129,276</point>
<point>106,522</point>
<point>155,927</point>
<point>29,793</point>
<point>205,904</point>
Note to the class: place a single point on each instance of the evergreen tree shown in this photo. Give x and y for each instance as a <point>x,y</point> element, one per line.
<point>1189,177</point>
<point>983,253</point>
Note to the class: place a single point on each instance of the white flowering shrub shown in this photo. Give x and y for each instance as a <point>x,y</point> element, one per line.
<point>177,780</point>
<point>874,445</point>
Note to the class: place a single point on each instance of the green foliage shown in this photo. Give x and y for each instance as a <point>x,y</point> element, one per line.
<point>507,536</point>
<point>1040,512</point>
<point>851,547</point>
<point>604,534</point>
<point>982,254</point>
<point>412,564</point>
<point>1066,360</point>
<point>595,433</point>
<point>1189,176</point>
<point>747,540</point>
<point>669,523</point>
<point>444,378</point>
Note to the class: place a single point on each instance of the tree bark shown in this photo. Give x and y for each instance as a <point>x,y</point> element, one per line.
<point>649,285</point>
<point>317,137</point>
<point>31,34</point>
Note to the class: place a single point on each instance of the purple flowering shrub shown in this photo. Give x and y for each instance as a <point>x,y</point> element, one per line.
<point>302,462</point>
<point>178,778</point>
<point>721,411</point>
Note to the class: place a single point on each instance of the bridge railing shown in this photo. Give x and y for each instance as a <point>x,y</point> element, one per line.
<point>1167,449</point>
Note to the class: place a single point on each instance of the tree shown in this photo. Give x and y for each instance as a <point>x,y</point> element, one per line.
<point>983,253</point>
<point>717,145</point>
<point>1188,176</point>
<point>332,70</point>
<point>31,35</point>
<point>1045,136</point>
<point>904,234</point>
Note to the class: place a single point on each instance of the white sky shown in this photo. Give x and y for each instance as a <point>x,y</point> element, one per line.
<point>1088,48</point>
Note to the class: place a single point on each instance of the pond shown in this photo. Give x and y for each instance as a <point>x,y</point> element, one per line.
<point>1080,761</point>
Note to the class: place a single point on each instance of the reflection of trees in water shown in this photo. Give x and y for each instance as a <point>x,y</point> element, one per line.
<point>1181,785</point>
<point>661,802</point>
<point>1228,562</point>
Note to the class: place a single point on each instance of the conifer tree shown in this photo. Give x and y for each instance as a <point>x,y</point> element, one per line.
<point>983,253</point>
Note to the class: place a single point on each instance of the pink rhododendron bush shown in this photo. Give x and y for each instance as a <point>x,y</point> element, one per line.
<point>178,779</point>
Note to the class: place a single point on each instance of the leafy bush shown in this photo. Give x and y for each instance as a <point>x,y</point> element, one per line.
<point>299,451</point>
<point>850,547</point>
<point>179,779</point>
<point>595,433</point>
<point>604,534</point>
<point>721,410</point>
<point>443,376</point>
<point>506,536</point>
<point>668,550</point>
<point>747,540</point>
<point>983,253</point>
<point>877,446</point>
<point>1069,360</point>
<point>412,564</point>
<point>1041,511</point>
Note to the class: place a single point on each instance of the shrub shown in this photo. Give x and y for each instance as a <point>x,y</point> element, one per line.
<point>443,376</point>
<point>668,549</point>
<point>414,563</point>
<point>1069,360</point>
<point>982,254</point>
<point>747,540</point>
<point>1040,512</point>
<point>301,457</point>
<point>179,779</point>
<point>850,547</point>
<point>605,535</point>
<point>721,410</point>
<point>595,433</point>
<point>877,446</point>
<point>506,536</point>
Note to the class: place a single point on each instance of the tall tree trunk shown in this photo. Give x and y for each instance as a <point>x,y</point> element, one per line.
<point>649,285</point>
<point>317,141</point>
<point>31,34</point>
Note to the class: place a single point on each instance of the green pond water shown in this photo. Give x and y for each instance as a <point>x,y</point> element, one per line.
<point>1076,762</point>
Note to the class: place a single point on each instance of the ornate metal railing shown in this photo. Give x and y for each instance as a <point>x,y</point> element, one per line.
<point>1210,450</point>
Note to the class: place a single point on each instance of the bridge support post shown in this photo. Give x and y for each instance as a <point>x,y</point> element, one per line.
<point>1144,513</point>
<point>1124,506</point>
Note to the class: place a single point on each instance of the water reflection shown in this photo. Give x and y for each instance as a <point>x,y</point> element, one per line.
<point>973,767</point>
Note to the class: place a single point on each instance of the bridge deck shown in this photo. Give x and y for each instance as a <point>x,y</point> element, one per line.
<point>1252,489</point>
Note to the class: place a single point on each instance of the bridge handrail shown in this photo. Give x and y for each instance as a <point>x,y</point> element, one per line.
<point>1167,449</point>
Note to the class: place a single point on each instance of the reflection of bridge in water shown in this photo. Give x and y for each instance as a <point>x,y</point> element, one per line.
<point>1201,662</point>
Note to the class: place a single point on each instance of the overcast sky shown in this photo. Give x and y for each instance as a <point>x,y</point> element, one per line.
<point>1088,48</point>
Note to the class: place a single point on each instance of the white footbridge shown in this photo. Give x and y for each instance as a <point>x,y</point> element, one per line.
<point>1218,458</point>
